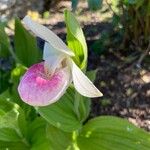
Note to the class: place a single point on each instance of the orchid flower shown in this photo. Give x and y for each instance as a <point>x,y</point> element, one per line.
<point>44,83</point>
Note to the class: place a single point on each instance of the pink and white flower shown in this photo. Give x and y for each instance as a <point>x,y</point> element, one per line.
<point>46,82</point>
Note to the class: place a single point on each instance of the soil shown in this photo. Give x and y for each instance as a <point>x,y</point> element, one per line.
<point>126,86</point>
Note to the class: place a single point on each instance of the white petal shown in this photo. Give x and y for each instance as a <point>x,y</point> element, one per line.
<point>47,35</point>
<point>52,58</point>
<point>82,84</point>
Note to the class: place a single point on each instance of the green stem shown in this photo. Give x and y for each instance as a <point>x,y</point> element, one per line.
<point>76,105</point>
<point>74,139</point>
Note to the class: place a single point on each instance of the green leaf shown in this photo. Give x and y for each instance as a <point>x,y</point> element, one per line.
<point>12,95</point>
<point>12,122</point>
<point>91,74</point>
<point>82,106</point>
<point>4,80</point>
<point>13,129</point>
<point>76,40</point>
<point>112,133</point>
<point>59,139</point>
<point>25,45</point>
<point>61,114</point>
<point>37,135</point>
<point>8,134</point>
<point>4,42</point>
<point>13,146</point>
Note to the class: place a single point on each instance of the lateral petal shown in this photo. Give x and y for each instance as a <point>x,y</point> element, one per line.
<point>82,84</point>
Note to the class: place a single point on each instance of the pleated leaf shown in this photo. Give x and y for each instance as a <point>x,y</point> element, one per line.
<point>63,140</point>
<point>12,125</point>
<point>4,42</point>
<point>13,146</point>
<point>25,45</point>
<point>37,135</point>
<point>112,133</point>
<point>61,114</point>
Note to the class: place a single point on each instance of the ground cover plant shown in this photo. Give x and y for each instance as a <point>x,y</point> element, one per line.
<point>46,121</point>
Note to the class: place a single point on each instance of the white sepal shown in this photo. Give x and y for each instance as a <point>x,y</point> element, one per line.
<point>82,84</point>
<point>47,35</point>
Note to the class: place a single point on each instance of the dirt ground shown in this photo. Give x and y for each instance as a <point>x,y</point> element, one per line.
<point>126,87</point>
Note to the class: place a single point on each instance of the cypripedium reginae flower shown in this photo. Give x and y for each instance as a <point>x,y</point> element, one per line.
<point>46,82</point>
